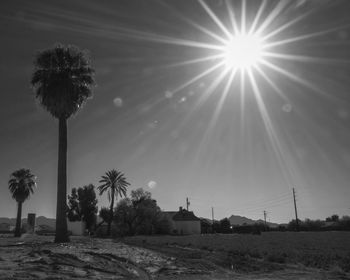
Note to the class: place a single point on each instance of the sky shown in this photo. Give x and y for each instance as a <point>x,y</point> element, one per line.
<point>175,119</point>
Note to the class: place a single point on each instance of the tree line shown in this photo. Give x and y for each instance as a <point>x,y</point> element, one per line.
<point>137,214</point>
<point>331,223</point>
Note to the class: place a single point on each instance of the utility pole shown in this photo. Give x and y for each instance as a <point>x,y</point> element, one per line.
<point>296,212</point>
<point>265,219</point>
<point>212,219</point>
<point>187,203</point>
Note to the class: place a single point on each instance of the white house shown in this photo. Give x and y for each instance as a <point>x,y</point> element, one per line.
<point>184,222</point>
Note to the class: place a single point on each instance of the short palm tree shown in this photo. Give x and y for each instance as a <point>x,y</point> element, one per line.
<point>114,182</point>
<point>21,185</point>
<point>62,82</point>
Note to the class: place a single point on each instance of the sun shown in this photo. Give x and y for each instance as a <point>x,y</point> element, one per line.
<point>243,51</point>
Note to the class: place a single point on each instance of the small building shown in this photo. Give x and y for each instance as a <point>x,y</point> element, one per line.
<point>184,222</point>
<point>31,223</point>
<point>5,227</point>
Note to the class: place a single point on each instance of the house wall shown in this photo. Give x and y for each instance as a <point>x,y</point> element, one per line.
<point>77,228</point>
<point>188,227</point>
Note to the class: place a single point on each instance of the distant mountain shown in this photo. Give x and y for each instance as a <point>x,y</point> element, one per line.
<point>41,220</point>
<point>239,220</point>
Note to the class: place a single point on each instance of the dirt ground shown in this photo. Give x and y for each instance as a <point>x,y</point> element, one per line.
<point>37,257</point>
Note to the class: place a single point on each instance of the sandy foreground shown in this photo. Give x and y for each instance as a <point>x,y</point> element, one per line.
<point>37,257</point>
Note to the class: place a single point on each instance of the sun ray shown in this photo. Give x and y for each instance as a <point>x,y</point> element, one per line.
<point>305,58</point>
<point>272,16</point>
<point>196,78</point>
<point>297,79</point>
<point>242,102</point>
<point>232,16</point>
<point>222,99</point>
<point>243,16</point>
<point>214,118</point>
<point>205,95</point>
<point>286,25</point>
<point>145,36</point>
<point>214,18</point>
<point>192,23</point>
<point>274,139</point>
<point>305,36</point>
<point>194,61</point>
<point>257,17</point>
<point>272,84</point>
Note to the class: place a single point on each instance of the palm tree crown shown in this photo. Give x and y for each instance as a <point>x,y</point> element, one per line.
<point>62,79</point>
<point>22,184</point>
<point>113,181</point>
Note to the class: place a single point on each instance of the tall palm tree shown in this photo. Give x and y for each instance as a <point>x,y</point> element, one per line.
<point>62,82</point>
<point>21,185</point>
<point>114,182</point>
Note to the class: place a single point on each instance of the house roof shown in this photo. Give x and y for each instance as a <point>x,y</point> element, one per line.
<point>171,214</point>
<point>184,215</point>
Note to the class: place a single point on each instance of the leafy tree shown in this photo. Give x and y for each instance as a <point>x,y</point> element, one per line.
<point>114,182</point>
<point>163,225</point>
<point>216,227</point>
<point>139,195</point>
<point>344,223</point>
<point>73,212</point>
<point>140,215</point>
<point>125,216</point>
<point>147,211</point>
<point>312,225</point>
<point>62,82</point>
<point>225,226</point>
<point>21,185</point>
<point>88,204</point>
<point>333,218</point>
<point>105,214</point>
<point>82,205</point>
<point>293,225</point>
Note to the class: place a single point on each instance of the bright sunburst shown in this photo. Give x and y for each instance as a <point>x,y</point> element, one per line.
<point>245,46</point>
<point>243,51</point>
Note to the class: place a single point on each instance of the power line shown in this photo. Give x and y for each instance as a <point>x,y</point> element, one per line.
<point>252,204</point>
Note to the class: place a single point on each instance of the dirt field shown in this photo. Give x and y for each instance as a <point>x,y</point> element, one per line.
<point>185,258</point>
<point>326,250</point>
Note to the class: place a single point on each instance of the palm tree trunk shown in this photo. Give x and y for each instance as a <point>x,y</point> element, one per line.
<point>110,214</point>
<point>19,219</point>
<point>61,219</point>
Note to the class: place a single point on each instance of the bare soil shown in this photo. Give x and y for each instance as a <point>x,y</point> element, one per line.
<point>37,257</point>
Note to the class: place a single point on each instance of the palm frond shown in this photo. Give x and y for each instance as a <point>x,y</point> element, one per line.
<point>62,79</point>
<point>114,181</point>
<point>22,184</point>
